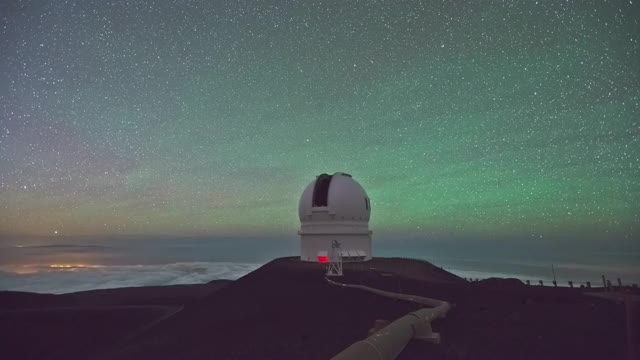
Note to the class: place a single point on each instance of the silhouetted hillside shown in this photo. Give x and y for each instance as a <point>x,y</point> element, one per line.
<point>286,310</point>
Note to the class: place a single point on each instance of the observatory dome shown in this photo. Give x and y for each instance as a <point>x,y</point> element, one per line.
<point>341,198</point>
<point>334,209</point>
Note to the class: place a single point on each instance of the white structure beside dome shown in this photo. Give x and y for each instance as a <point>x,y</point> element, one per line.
<point>334,207</point>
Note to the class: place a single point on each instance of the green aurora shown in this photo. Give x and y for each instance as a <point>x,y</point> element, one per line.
<point>513,119</point>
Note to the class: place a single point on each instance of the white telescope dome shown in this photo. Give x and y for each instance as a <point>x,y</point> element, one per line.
<point>334,208</point>
<point>338,194</point>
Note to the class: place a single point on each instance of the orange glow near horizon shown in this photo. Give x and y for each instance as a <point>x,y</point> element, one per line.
<point>67,266</point>
<point>25,269</point>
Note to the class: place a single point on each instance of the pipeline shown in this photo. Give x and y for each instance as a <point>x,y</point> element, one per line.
<point>388,342</point>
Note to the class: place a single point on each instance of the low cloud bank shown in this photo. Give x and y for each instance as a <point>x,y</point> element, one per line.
<point>71,278</point>
<point>579,274</point>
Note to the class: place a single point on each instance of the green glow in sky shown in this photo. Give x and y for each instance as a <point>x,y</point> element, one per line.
<point>514,118</point>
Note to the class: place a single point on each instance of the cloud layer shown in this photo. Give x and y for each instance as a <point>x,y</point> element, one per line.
<point>58,280</point>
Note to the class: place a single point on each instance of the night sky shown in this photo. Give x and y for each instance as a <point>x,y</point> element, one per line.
<point>516,119</point>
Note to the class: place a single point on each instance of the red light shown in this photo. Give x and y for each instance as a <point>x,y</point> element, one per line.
<point>322,258</point>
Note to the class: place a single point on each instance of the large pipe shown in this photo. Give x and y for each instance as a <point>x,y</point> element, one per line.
<point>388,342</point>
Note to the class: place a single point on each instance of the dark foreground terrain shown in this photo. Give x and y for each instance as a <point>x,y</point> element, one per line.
<point>285,310</point>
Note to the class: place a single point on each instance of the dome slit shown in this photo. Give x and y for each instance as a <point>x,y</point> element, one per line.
<point>321,190</point>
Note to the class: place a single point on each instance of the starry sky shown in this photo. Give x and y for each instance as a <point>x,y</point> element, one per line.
<point>515,119</point>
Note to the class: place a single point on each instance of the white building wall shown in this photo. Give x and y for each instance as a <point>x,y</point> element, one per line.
<point>312,244</point>
<point>342,214</point>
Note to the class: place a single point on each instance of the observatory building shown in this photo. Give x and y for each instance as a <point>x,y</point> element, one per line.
<point>334,207</point>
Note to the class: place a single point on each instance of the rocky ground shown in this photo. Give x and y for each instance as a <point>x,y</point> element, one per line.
<point>285,310</point>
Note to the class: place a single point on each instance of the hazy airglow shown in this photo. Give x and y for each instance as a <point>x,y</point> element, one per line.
<point>513,119</point>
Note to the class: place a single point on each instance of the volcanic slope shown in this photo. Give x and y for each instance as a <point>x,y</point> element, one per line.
<point>83,324</point>
<point>286,310</point>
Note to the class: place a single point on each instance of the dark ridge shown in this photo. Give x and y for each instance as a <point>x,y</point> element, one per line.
<point>501,283</point>
<point>20,299</point>
<point>69,332</point>
<point>143,295</point>
<point>285,310</point>
<point>147,295</point>
<point>280,311</point>
<point>85,324</point>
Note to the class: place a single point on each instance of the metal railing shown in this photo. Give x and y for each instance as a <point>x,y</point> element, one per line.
<point>605,283</point>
